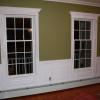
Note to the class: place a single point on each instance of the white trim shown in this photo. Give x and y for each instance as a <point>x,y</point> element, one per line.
<point>19,10</point>
<point>93,18</point>
<point>62,74</point>
<point>77,2</point>
<point>47,88</point>
<point>23,80</point>
<point>84,15</point>
<point>58,70</point>
<point>98,67</point>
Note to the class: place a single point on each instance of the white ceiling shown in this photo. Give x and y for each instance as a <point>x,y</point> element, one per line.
<point>94,1</point>
<point>83,2</point>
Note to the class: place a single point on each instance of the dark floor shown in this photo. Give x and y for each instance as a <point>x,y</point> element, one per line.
<point>69,94</point>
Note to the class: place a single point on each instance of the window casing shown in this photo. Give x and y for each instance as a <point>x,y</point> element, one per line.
<point>19,46</point>
<point>84,36</point>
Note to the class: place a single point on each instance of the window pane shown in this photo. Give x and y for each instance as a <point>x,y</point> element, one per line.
<point>29,68</point>
<point>82,53</point>
<point>82,34</point>
<point>77,54</point>
<point>28,60</point>
<point>11,55</point>
<point>19,22</point>
<point>76,25</point>
<point>27,22</point>
<point>19,34</point>
<point>12,69</point>
<point>76,34</point>
<point>76,63</point>
<point>28,54</point>
<point>11,61</point>
<point>27,34</point>
<point>87,34</point>
<point>83,44</point>
<point>88,25</point>
<point>20,60</point>
<point>11,58</point>
<point>11,47</point>
<point>28,46</point>
<point>88,53</point>
<point>20,55</point>
<point>10,35</point>
<point>82,25</point>
<point>20,69</point>
<point>10,22</point>
<point>82,63</point>
<point>77,44</point>
<point>88,62</point>
<point>88,45</point>
<point>20,46</point>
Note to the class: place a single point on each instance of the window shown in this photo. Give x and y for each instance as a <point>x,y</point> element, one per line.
<point>20,36</point>
<point>19,45</point>
<point>82,43</point>
<point>83,39</point>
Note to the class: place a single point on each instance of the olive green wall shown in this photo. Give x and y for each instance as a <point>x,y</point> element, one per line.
<point>55,26</point>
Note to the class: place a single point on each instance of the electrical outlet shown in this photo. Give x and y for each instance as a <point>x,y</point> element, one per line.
<point>50,78</point>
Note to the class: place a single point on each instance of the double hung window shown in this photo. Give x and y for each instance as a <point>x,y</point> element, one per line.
<point>84,36</point>
<point>82,43</point>
<point>20,41</point>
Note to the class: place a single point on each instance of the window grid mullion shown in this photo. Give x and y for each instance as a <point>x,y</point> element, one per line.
<point>24,47</point>
<point>15,45</point>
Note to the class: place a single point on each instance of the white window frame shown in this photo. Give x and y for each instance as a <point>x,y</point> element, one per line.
<point>10,80</point>
<point>89,71</point>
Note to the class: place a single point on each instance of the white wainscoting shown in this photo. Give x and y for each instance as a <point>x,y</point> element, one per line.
<point>53,73</point>
<point>47,88</point>
<point>58,71</point>
<point>98,67</point>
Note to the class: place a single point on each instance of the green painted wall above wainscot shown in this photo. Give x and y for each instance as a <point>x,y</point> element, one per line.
<point>55,26</point>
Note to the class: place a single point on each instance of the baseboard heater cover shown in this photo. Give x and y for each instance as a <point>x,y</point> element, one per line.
<point>47,88</point>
